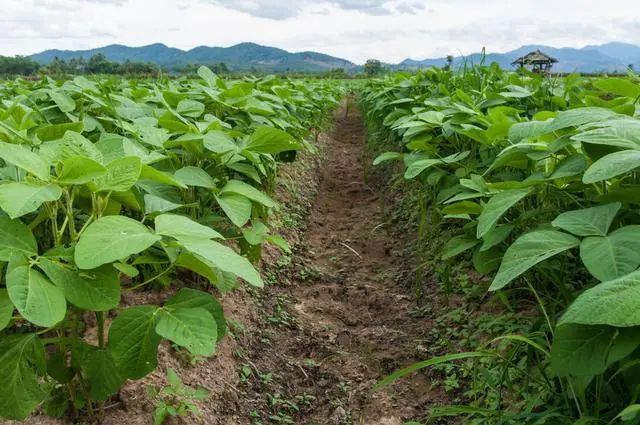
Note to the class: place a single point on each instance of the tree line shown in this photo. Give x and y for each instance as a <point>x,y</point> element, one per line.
<point>96,64</point>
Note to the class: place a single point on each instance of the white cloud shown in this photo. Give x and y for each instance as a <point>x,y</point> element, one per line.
<point>354,29</point>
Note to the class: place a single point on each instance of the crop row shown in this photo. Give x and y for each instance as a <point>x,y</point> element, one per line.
<point>540,178</point>
<point>110,186</point>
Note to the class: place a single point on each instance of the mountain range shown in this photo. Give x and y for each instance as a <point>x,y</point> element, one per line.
<point>243,56</point>
<point>608,57</point>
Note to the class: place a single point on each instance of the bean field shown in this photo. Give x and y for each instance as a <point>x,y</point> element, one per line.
<point>442,246</point>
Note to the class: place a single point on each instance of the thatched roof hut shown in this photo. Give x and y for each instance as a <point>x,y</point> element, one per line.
<point>538,61</point>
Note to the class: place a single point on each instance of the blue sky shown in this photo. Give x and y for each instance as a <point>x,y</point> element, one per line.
<point>390,30</point>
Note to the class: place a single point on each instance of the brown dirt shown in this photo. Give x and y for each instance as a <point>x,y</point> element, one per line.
<point>350,324</point>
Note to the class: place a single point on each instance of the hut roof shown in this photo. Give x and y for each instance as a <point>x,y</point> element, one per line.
<point>534,57</point>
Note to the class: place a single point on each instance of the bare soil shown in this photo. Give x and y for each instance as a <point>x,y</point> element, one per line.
<point>349,322</point>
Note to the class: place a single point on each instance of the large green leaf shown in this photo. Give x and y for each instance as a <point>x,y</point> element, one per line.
<point>80,170</point>
<point>23,157</point>
<point>191,298</point>
<point>457,245</point>
<point>15,237</point>
<point>529,250</point>
<point>588,221</point>
<point>194,176</point>
<point>581,350</point>
<point>415,168</point>
<point>6,308</point>
<point>181,227</point>
<point>613,303</point>
<point>612,165</point>
<point>97,290</point>
<point>496,207</point>
<point>18,199</point>
<point>272,140</point>
<point>623,133</point>
<point>192,328</point>
<point>619,86</point>
<point>613,256</point>
<point>62,100</point>
<point>37,299</point>
<point>223,258</point>
<point>20,355</point>
<point>133,341</point>
<point>238,187</point>
<point>112,238</point>
<point>236,207</point>
<point>102,373</point>
<point>121,175</point>
<point>219,142</point>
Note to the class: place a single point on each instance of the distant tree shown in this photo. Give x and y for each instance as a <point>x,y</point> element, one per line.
<point>631,67</point>
<point>372,67</point>
<point>449,62</point>
<point>98,64</point>
<point>18,65</point>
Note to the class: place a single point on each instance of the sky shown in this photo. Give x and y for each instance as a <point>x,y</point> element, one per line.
<point>389,30</point>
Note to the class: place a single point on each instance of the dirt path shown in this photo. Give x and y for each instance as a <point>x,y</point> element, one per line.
<point>344,322</point>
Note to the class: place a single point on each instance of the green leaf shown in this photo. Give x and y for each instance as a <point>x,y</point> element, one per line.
<point>102,374</point>
<point>56,131</point>
<point>15,237</point>
<point>580,350</point>
<point>192,328</point>
<point>427,363</point>
<point>207,75</point>
<point>121,175</point>
<point>618,86</point>
<point>498,235</point>
<point>623,133</point>
<point>529,250</point>
<point>194,176</point>
<point>570,166</point>
<point>613,303</point>
<point>487,261</point>
<point>150,173</point>
<point>497,206</point>
<point>24,158</point>
<point>236,207</point>
<point>37,299</point>
<point>415,168</point>
<point>387,156</point>
<point>629,413</point>
<point>18,199</point>
<point>6,309</point>
<point>62,100</point>
<point>224,258</point>
<point>272,140</point>
<point>190,108</point>
<point>157,205</point>
<point>112,238</point>
<point>238,187</point>
<point>219,142</point>
<point>21,390</point>
<point>80,170</point>
<point>133,341</point>
<point>588,221</point>
<point>613,256</point>
<point>191,298</point>
<point>97,290</point>
<point>612,165</point>
<point>457,245</point>
<point>181,228</point>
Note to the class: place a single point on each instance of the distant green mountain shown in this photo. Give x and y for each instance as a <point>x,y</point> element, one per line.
<point>242,56</point>
<point>608,57</point>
